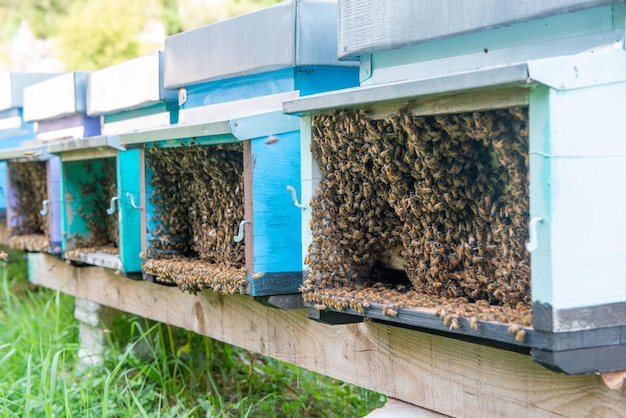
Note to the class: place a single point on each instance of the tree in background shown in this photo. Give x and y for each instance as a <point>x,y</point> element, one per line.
<point>92,34</point>
<point>42,15</point>
<point>99,33</point>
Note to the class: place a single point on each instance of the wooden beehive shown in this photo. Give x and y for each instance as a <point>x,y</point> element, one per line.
<point>458,149</point>
<point>238,151</point>
<point>60,117</point>
<point>25,191</point>
<point>101,176</point>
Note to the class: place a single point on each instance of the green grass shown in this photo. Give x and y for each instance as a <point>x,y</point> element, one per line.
<point>150,369</point>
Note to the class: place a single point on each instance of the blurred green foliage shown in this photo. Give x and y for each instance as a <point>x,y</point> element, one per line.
<point>93,34</point>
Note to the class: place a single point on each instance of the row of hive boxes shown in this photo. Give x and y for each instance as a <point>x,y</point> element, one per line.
<point>420,200</point>
<point>196,212</point>
<point>170,202</point>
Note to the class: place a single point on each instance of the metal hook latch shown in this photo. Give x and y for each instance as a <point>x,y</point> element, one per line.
<point>111,209</point>
<point>292,190</point>
<point>239,236</point>
<point>130,196</point>
<point>533,241</point>
<point>44,207</point>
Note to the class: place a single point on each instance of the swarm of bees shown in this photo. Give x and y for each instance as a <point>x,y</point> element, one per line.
<point>198,203</point>
<point>448,193</point>
<point>28,228</point>
<point>96,190</point>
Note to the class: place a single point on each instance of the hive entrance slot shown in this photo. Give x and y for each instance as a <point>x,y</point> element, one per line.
<point>28,227</point>
<point>197,204</point>
<point>448,192</point>
<point>92,184</point>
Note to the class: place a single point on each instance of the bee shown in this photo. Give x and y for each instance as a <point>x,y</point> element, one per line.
<point>387,311</point>
<point>258,275</point>
<point>473,322</point>
<point>454,324</point>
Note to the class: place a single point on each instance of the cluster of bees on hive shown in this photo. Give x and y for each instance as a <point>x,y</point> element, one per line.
<point>446,194</point>
<point>28,228</point>
<point>96,191</point>
<point>198,204</point>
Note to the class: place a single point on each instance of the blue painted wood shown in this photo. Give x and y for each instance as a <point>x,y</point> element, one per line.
<point>239,88</point>
<point>309,80</point>
<point>54,206</point>
<point>579,160</point>
<point>276,221</point>
<point>3,190</point>
<point>128,181</point>
<point>16,131</point>
<point>317,79</point>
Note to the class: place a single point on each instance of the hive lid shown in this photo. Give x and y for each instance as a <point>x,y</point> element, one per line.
<point>367,26</point>
<point>293,33</point>
<point>12,86</point>
<point>62,95</point>
<point>129,85</point>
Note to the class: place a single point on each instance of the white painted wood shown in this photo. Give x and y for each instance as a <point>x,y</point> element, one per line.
<point>235,109</point>
<point>157,120</point>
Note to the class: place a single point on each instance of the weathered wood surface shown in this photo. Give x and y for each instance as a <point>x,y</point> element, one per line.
<point>442,374</point>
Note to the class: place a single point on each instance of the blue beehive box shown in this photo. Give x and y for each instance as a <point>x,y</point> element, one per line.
<point>28,228</point>
<point>478,149</point>
<point>13,129</point>
<point>102,183</point>
<point>233,226</point>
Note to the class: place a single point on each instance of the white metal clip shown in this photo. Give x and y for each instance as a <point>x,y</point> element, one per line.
<point>131,197</point>
<point>294,197</point>
<point>239,236</point>
<point>111,209</point>
<point>44,207</point>
<point>533,241</point>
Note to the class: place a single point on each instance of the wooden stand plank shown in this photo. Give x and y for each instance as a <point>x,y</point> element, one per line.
<point>442,374</point>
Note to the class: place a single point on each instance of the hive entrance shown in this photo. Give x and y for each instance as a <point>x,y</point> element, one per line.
<point>28,228</point>
<point>197,196</point>
<point>92,193</point>
<point>448,194</point>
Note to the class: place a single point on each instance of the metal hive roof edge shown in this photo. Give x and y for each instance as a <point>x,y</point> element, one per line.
<point>560,73</point>
<point>366,26</point>
<point>512,75</point>
<point>288,34</point>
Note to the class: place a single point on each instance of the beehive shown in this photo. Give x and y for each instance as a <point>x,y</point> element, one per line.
<point>447,194</point>
<point>27,226</point>
<point>231,95</point>
<point>197,196</point>
<point>89,185</point>
<point>32,226</point>
<point>104,204</point>
<point>465,144</point>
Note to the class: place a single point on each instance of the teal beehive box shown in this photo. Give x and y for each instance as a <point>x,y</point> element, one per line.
<point>464,186</point>
<point>103,177</point>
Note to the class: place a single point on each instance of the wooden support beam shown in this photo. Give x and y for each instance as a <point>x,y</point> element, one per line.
<point>442,374</point>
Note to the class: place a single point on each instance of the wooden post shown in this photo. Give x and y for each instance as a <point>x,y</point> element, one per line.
<point>94,321</point>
